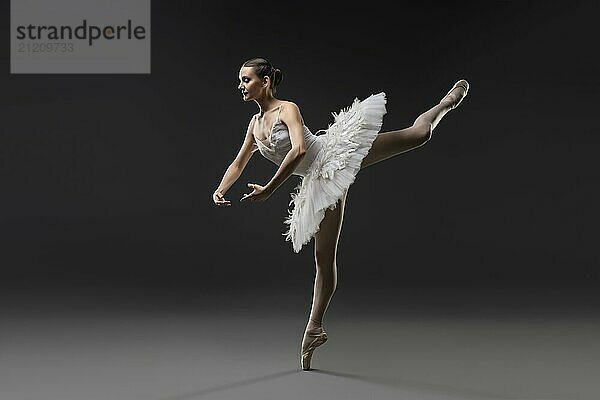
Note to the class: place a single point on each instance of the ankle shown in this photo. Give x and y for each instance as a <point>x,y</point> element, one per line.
<point>312,323</point>
<point>448,103</point>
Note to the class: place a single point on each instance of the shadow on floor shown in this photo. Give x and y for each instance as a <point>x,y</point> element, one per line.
<point>399,383</point>
<point>228,386</point>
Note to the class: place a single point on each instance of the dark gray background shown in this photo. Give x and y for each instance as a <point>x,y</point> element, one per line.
<point>107,179</point>
<point>467,268</point>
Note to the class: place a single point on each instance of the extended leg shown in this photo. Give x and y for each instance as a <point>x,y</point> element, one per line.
<point>389,144</point>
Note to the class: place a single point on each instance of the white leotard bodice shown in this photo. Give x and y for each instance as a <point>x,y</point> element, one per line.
<point>276,146</point>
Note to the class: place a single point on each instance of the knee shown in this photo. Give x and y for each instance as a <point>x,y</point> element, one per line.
<point>422,133</point>
<point>325,263</point>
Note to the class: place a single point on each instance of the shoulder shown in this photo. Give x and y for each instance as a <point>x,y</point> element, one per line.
<point>289,105</point>
<point>252,122</point>
<point>290,109</point>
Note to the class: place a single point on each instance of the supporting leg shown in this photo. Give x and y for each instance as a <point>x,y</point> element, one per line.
<point>326,241</point>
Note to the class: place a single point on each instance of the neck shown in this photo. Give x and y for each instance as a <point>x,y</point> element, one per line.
<point>266,103</point>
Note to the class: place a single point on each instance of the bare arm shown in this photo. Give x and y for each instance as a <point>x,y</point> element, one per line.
<point>292,118</point>
<point>290,115</point>
<point>236,167</point>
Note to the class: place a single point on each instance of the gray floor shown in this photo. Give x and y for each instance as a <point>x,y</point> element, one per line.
<point>228,348</point>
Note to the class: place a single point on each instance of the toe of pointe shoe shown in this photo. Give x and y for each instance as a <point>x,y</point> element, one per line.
<point>462,82</point>
<point>305,361</point>
<point>317,340</point>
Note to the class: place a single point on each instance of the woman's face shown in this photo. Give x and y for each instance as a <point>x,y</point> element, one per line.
<point>250,84</point>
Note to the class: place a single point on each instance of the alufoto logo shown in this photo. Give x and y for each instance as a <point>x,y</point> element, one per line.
<point>85,31</point>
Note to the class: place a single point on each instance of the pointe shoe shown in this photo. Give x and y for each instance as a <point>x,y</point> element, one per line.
<point>456,97</point>
<point>317,337</point>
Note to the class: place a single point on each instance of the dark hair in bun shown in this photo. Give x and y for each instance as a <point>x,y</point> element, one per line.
<point>264,68</point>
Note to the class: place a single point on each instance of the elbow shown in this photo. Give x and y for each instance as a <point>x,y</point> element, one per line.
<point>300,153</point>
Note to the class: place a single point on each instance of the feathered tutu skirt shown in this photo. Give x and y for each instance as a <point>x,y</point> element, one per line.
<point>345,144</point>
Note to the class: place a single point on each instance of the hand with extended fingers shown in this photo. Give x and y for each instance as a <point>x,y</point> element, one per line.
<point>259,193</point>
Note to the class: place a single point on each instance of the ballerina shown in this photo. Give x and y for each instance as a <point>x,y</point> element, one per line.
<point>328,164</point>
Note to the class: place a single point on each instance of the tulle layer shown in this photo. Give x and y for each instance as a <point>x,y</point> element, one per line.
<point>346,142</point>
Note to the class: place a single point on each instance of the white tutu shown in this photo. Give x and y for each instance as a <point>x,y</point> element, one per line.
<point>345,143</point>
